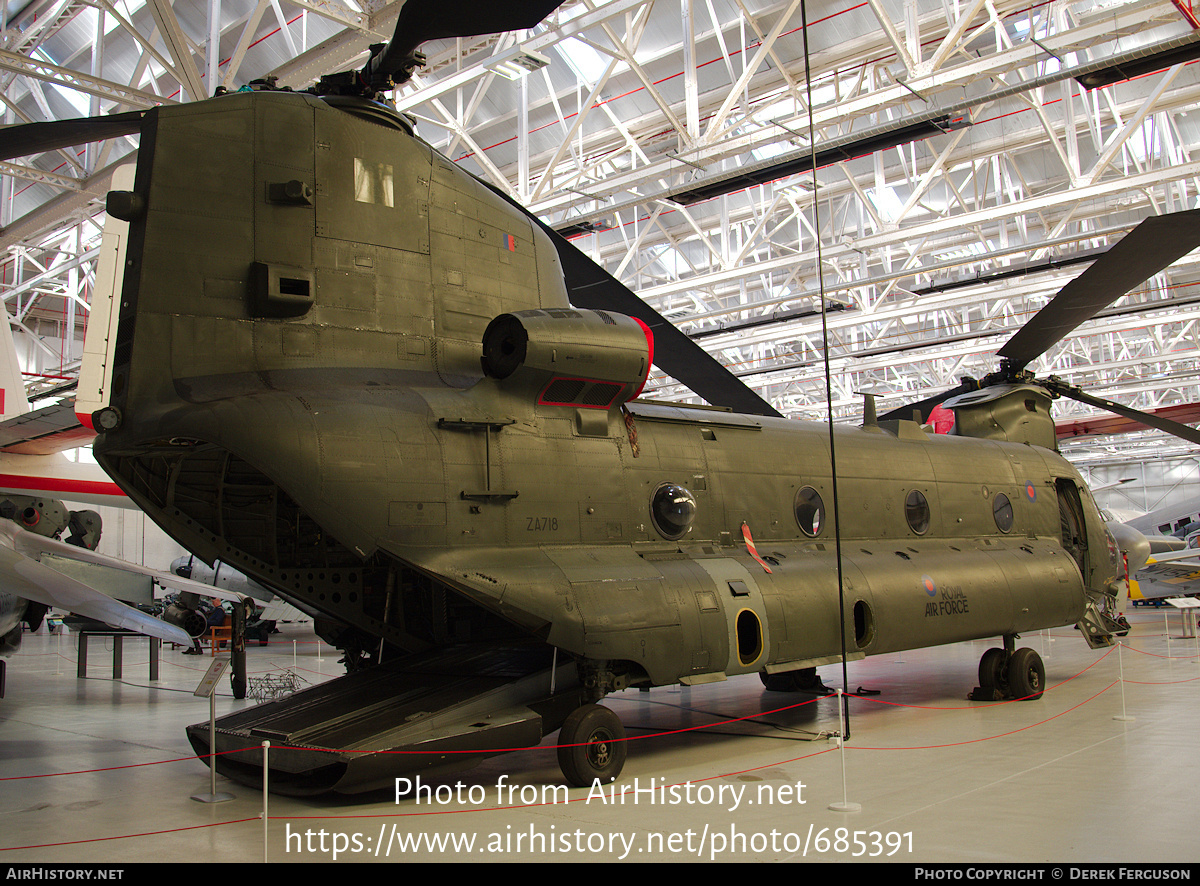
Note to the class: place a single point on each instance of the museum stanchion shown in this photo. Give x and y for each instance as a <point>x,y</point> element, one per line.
<point>845,805</point>
<point>1121,670</point>
<point>1195,635</point>
<point>208,686</point>
<point>266,746</point>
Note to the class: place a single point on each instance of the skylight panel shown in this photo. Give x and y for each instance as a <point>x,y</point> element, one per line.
<point>80,101</point>
<point>886,203</point>
<point>587,63</point>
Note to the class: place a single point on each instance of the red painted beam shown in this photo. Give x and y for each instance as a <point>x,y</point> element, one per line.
<point>1102,425</point>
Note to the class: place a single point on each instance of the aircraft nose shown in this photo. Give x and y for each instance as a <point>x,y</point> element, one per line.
<point>1134,545</point>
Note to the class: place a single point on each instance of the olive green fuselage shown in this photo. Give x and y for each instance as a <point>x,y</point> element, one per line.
<point>300,391</point>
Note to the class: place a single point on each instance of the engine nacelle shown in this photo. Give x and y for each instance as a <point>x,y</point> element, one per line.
<point>567,357</point>
<point>84,529</point>
<point>190,620</point>
<point>43,516</point>
<point>1017,413</point>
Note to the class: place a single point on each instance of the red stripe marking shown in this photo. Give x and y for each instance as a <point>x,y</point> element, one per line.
<point>649,356</point>
<point>55,484</point>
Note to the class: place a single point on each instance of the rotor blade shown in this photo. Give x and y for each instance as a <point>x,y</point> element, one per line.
<point>422,20</point>
<point>926,406</point>
<point>37,138</point>
<point>1192,435</point>
<point>1139,255</point>
<point>590,286</point>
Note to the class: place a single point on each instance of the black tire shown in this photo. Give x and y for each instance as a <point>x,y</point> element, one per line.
<point>784,682</point>
<point>808,680</point>
<point>1026,675</point>
<point>591,746</point>
<point>993,670</point>
<point>803,680</point>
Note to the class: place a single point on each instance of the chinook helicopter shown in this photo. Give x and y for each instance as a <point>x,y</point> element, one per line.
<point>344,366</point>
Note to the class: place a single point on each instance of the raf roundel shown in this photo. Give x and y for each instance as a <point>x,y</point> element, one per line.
<point>930,587</point>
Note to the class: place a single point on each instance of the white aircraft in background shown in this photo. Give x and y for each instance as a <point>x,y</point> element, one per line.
<point>1178,520</point>
<point>1173,568</point>
<point>38,570</point>
<point>1170,542</point>
<point>32,443</point>
<point>225,578</point>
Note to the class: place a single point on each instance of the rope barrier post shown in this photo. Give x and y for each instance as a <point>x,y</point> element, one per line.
<point>845,805</point>
<point>208,687</point>
<point>1125,718</point>
<point>266,746</point>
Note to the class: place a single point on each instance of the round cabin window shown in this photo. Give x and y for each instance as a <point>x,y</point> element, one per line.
<point>916,511</point>
<point>673,509</point>
<point>1002,511</point>
<point>810,511</point>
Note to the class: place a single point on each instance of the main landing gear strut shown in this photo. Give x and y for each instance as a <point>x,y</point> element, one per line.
<point>1010,673</point>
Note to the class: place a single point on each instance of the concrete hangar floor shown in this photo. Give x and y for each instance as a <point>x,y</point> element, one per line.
<point>938,778</point>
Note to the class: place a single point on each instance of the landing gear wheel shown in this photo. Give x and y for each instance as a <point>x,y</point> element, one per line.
<point>993,671</point>
<point>803,680</point>
<point>591,746</point>
<point>807,680</point>
<point>784,682</point>
<point>1026,675</point>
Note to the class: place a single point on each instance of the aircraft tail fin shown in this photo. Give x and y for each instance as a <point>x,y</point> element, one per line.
<point>96,371</point>
<point>12,384</point>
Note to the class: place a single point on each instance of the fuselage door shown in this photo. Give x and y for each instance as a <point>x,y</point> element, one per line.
<point>745,615</point>
<point>1072,526</point>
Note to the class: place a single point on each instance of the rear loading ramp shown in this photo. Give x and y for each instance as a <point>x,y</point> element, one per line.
<point>439,711</point>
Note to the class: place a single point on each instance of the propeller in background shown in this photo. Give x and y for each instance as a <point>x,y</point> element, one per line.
<point>1152,246</point>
